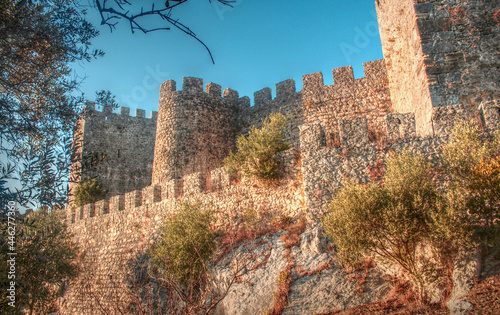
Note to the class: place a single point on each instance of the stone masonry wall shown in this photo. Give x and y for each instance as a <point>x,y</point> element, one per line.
<point>117,149</point>
<point>445,52</point>
<point>114,234</point>
<point>402,48</point>
<point>287,101</point>
<point>325,169</point>
<point>367,97</point>
<point>460,46</point>
<point>441,63</point>
<point>195,129</point>
<point>347,98</point>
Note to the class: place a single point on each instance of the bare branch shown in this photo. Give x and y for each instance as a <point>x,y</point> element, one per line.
<point>111,16</point>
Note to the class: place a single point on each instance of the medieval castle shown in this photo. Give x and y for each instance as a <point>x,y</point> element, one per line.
<point>441,63</point>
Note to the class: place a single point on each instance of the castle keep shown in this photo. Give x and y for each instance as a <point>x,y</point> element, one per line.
<point>441,63</point>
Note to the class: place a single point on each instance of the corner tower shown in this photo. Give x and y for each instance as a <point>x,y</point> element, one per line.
<point>440,53</point>
<point>194,131</point>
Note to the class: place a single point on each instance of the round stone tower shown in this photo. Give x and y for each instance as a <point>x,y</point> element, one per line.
<point>194,129</point>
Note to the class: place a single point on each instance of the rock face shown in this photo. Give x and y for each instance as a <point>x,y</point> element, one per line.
<point>466,272</point>
<point>318,284</point>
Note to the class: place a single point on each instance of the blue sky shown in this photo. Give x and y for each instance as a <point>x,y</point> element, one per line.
<point>256,44</point>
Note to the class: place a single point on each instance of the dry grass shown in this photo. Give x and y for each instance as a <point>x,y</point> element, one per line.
<point>360,272</point>
<point>485,296</point>
<point>230,239</point>
<point>292,238</point>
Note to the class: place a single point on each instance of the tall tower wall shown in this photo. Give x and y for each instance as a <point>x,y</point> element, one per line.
<point>195,129</point>
<point>116,149</point>
<point>440,53</point>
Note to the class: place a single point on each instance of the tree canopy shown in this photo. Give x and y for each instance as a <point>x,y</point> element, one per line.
<point>38,106</point>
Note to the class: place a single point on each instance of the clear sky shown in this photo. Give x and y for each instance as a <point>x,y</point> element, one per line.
<point>256,44</point>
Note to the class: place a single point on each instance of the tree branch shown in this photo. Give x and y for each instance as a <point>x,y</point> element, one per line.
<point>111,16</point>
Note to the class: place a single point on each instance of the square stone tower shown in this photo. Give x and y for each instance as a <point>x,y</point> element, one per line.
<point>440,53</point>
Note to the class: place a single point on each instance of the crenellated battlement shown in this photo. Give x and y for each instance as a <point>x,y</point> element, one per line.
<point>189,185</point>
<point>194,86</point>
<point>107,113</point>
<point>343,77</point>
<point>111,143</point>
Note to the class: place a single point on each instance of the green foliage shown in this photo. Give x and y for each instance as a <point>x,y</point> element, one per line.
<point>187,243</point>
<point>472,159</point>
<point>38,103</point>
<point>467,147</point>
<point>105,98</point>
<point>394,220</point>
<point>88,192</point>
<point>256,153</point>
<point>44,260</point>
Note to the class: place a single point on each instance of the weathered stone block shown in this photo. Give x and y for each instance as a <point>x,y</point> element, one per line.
<point>116,203</point>
<point>231,94</point>
<point>262,97</point>
<point>89,210</point>
<point>285,89</point>
<point>151,194</point>
<point>400,126</point>
<point>343,76</point>
<point>423,7</point>
<point>140,113</point>
<point>213,89</point>
<point>312,81</point>
<point>312,138</point>
<point>168,87</point>
<point>101,207</point>
<point>133,199</point>
<point>192,85</point>
<point>353,132</point>
<point>124,111</point>
<point>194,183</point>
<point>107,109</point>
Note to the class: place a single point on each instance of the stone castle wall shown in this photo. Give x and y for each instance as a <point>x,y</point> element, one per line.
<point>440,53</point>
<point>115,234</point>
<point>117,149</point>
<point>195,129</point>
<point>347,98</point>
<point>402,48</point>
